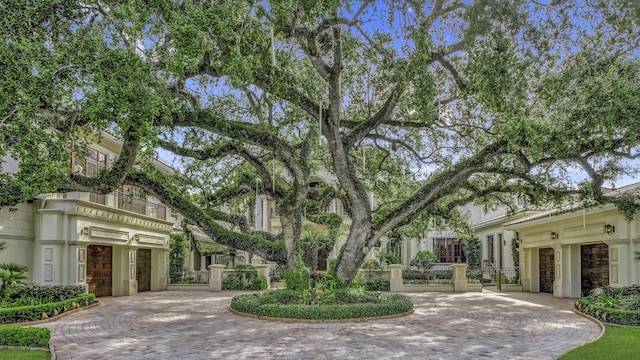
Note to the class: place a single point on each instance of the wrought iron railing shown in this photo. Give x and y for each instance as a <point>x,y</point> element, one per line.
<point>443,274</point>
<point>188,276</point>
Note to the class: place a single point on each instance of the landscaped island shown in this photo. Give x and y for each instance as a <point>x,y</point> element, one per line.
<point>320,297</point>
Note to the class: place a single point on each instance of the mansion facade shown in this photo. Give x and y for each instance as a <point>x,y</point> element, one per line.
<point>117,243</point>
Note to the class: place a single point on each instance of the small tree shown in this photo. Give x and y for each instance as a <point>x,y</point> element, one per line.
<point>472,246</point>
<point>176,254</point>
<point>424,260</point>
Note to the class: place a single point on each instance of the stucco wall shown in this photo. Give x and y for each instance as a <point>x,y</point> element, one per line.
<point>16,229</point>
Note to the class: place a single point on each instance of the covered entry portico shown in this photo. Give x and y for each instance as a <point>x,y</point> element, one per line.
<point>569,254</point>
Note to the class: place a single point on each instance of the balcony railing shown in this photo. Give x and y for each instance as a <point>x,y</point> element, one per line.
<point>119,200</point>
<point>141,206</point>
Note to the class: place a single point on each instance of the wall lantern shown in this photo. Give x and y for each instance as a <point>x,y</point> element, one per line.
<point>609,229</point>
<point>554,236</point>
<point>84,231</point>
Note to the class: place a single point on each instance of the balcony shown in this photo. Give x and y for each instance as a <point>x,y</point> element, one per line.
<point>119,200</point>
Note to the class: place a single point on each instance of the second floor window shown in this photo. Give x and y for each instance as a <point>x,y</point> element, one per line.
<point>89,162</point>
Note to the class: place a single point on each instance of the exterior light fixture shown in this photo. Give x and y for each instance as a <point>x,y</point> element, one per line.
<point>84,231</point>
<point>609,229</point>
<point>554,236</point>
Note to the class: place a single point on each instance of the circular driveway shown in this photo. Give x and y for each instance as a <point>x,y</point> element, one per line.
<point>198,325</point>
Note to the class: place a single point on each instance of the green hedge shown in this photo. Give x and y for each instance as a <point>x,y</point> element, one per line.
<point>347,304</point>
<point>22,314</point>
<point>52,293</point>
<point>607,314</point>
<point>24,336</point>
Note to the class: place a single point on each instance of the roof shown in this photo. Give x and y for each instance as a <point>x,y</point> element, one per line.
<point>205,243</point>
<point>632,189</point>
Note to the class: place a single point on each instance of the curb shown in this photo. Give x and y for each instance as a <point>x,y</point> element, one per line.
<point>592,319</point>
<point>54,318</point>
<point>311,321</point>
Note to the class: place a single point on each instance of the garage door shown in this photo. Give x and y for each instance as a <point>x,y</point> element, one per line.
<point>547,270</point>
<point>595,266</point>
<point>143,269</point>
<point>99,269</point>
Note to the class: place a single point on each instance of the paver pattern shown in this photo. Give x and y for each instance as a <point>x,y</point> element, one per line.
<point>198,325</point>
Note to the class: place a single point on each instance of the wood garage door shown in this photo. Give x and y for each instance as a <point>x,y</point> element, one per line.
<point>99,269</point>
<point>143,269</point>
<point>547,269</point>
<point>595,266</point>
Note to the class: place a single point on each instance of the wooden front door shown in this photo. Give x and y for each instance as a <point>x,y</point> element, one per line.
<point>143,269</point>
<point>595,266</point>
<point>99,269</point>
<point>547,269</point>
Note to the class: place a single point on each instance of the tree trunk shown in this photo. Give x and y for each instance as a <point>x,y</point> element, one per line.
<point>288,221</point>
<point>354,251</point>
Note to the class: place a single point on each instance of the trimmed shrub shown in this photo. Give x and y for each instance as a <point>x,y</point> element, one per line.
<point>47,294</point>
<point>296,278</point>
<point>608,314</point>
<point>22,314</point>
<point>346,304</point>
<point>377,285</point>
<point>24,336</point>
<point>258,283</point>
<point>244,277</point>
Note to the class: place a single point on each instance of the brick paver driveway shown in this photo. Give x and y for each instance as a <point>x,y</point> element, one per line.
<point>198,325</point>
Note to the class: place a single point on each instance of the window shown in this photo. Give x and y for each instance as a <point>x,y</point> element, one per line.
<point>490,248</point>
<point>449,250</point>
<point>89,165</point>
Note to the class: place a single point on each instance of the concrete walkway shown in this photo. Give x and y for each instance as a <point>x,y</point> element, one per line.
<point>198,325</point>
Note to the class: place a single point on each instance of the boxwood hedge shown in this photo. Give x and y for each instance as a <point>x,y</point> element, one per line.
<point>607,314</point>
<point>22,314</point>
<point>24,336</point>
<point>347,304</point>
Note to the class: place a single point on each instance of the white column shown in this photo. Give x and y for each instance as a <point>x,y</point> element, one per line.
<point>192,260</point>
<point>265,213</point>
<point>203,262</point>
<point>257,213</point>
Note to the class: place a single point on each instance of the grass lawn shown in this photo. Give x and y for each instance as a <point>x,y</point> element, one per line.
<point>24,355</point>
<point>616,343</point>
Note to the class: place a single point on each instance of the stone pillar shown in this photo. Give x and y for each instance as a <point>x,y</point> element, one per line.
<point>460,277</point>
<point>396,278</point>
<point>256,260</point>
<point>263,270</point>
<point>215,277</point>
